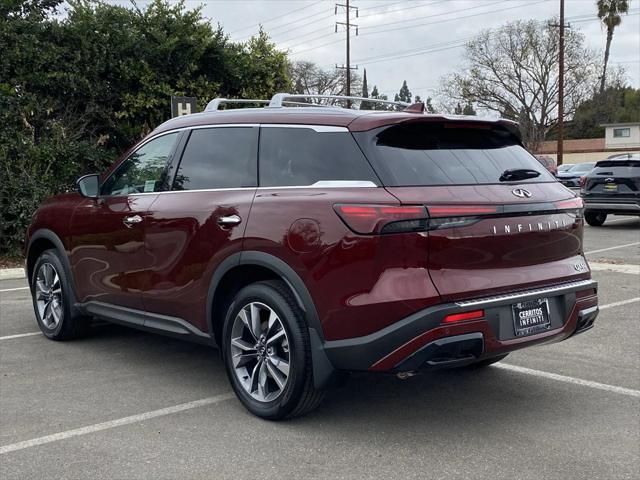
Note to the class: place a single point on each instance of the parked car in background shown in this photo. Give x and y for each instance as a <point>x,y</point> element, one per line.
<point>548,163</point>
<point>310,242</point>
<point>565,166</point>
<point>571,177</point>
<point>612,188</point>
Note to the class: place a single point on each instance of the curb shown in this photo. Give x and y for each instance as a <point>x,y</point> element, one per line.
<point>11,273</point>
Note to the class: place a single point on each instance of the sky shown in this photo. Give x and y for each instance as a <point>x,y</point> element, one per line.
<point>414,40</point>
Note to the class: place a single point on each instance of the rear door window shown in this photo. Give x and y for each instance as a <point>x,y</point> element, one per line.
<point>224,157</point>
<point>304,156</point>
<point>421,154</point>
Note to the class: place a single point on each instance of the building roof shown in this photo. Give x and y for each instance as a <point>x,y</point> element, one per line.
<point>627,124</point>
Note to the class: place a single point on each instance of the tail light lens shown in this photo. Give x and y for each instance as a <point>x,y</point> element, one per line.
<point>571,204</point>
<point>464,316</point>
<point>371,219</point>
<point>583,181</point>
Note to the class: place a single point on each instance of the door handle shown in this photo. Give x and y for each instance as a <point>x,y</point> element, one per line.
<point>229,221</point>
<point>132,220</point>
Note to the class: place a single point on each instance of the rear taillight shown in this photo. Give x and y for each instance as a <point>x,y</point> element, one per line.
<point>574,206</point>
<point>583,181</point>
<point>371,219</point>
<point>464,316</point>
<point>571,204</point>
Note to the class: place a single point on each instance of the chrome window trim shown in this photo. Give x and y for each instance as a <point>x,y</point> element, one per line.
<point>316,128</point>
<point>510,297</point>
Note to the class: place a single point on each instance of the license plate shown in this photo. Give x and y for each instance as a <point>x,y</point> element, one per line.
<point>610,187</point>
<point>531,317</point>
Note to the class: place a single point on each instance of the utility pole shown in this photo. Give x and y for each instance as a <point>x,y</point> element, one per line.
<point>347,26</point>
<point>561,88</point>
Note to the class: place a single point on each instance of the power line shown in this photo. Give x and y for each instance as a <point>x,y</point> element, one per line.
<point>276,17</point>
<point>434,15</point>
<point>422,25</point>
<point>384,11</point>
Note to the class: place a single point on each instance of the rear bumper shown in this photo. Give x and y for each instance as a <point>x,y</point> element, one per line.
<point>422,341</point>
<point>610,206</point>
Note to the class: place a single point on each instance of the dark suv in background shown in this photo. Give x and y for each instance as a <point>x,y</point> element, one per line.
<point>311,241</point>
<point>612,188</point>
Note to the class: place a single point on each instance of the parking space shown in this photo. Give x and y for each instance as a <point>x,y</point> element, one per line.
<point>119,404</point>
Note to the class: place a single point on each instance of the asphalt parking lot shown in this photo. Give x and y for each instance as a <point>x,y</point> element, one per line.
<point>123,404</point>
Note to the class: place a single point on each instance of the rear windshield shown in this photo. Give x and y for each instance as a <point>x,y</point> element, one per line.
<point>446,154</point>
<point>583,167</point>
<point>617,163</point>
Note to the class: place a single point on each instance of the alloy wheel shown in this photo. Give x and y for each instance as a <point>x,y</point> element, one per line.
<point>49,296</point>
<point>260,351</point>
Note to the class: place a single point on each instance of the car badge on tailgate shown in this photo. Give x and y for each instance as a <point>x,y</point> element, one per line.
<point>521,193</point>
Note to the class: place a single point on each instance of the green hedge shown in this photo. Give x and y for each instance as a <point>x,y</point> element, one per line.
<point>79,87</point>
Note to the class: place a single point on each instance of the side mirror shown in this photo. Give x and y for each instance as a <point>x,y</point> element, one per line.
<point>89,186</point>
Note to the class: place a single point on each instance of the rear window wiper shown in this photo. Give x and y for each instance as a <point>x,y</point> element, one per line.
<point>518,174</point>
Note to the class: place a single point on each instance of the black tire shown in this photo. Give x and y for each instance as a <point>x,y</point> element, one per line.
<point>595,219</point>
<point>70,324</point>
<point>488,361</point>
<point>298,396</point>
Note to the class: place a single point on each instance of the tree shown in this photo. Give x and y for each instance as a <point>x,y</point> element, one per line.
<point>609,12</point>
<point>514,71</point>
<point>404,95</point>
<point>417,99</point>
<point>316,81</point>
<point>365,88</point>
<point>617,104</point>
<point>365,93</point>
<point>429,107</point>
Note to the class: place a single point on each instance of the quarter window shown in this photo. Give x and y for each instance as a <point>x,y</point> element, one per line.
<point>303,156</point>
<point>144,170</point>
<point>621,132</point>
<point>224,157</point>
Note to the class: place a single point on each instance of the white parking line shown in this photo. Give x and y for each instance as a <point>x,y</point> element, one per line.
<point>615,267</point>
<point>621,302</point>
<point>76,432</point>
<point>575,381</point>
<point>14,289</point>
<point>20,335</point>
<point>612,248</point>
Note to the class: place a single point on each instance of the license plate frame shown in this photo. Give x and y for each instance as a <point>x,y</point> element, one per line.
<point>531,317</point>
<point>610,187</point>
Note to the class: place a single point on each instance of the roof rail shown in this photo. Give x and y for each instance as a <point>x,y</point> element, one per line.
<point>216,102</point>
<point>281,98</point>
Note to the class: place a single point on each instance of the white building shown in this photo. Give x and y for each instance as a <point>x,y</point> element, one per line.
<point>622,135</point>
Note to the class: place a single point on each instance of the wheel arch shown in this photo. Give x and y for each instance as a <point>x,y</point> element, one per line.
<point>246,267</point>
<point>41,240</point>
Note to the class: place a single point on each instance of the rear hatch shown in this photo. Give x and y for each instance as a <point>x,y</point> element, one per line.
<point>498,220</point>
<point>616,180</point>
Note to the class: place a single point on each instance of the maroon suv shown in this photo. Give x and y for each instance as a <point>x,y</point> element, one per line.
<point>307,242</point>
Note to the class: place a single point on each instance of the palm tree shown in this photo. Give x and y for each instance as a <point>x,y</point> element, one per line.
<point>609,12</point>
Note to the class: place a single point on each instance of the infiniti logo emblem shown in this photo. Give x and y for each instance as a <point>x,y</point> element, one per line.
<point>521,193</point>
